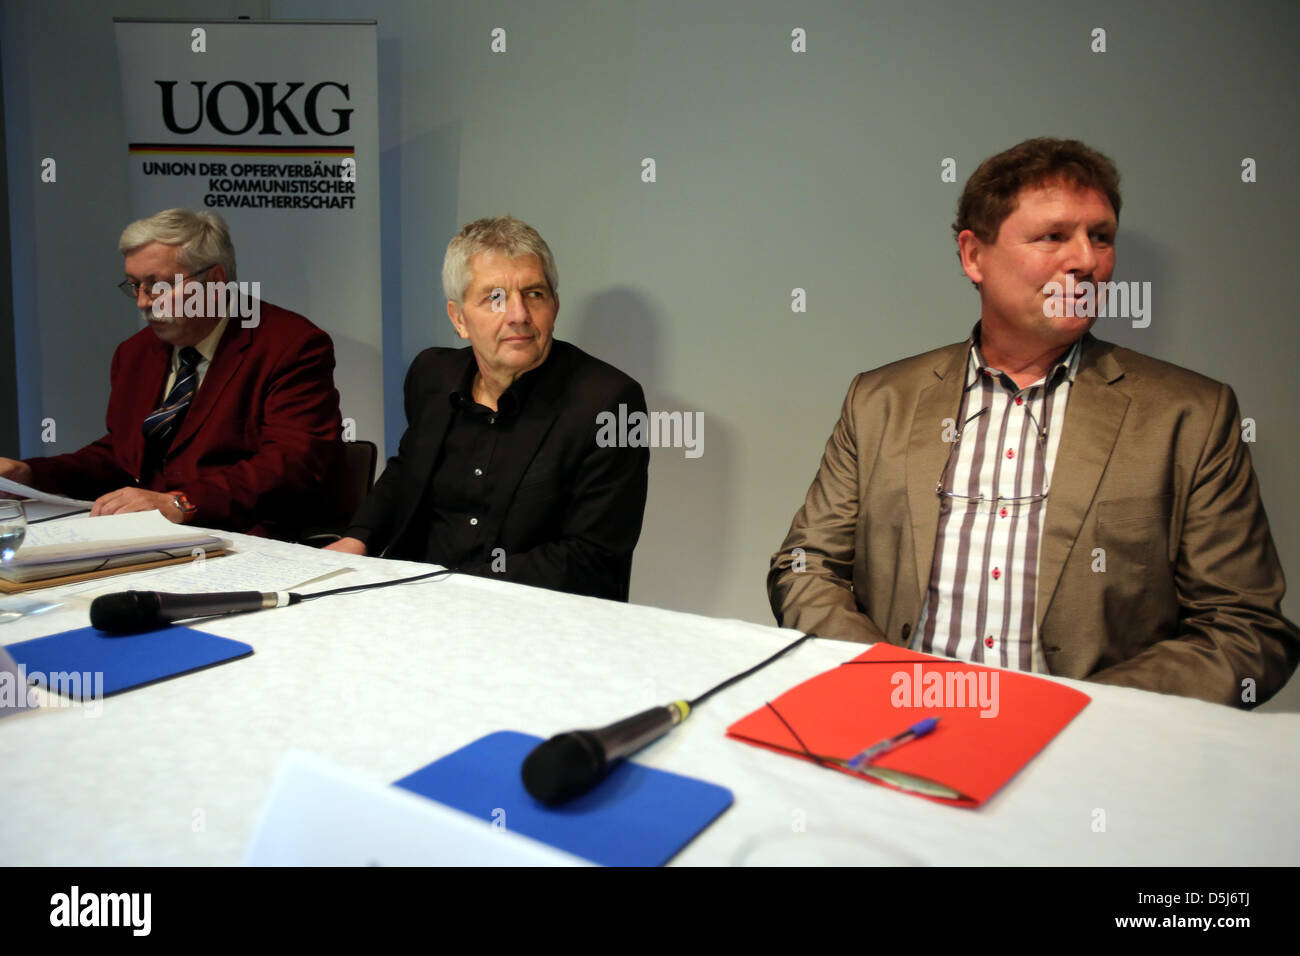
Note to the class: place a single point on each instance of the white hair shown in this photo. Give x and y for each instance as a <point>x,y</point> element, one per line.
<point>203,238</point>
<point>504,234</point>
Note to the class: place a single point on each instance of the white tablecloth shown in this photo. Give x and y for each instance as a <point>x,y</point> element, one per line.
<point>383,682</point>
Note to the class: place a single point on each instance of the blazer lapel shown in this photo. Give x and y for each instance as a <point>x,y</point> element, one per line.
<point>1093,419</point>
<point>926,453</point>
<point>230,355</point>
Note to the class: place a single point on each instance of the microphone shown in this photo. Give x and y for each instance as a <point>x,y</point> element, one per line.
<point>570,764</point>
<point>127,612</point>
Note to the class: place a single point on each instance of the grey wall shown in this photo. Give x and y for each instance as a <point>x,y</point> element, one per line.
<point>776,170</point>
<point>8,385</point>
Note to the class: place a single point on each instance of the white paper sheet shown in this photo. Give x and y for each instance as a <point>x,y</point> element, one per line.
<point>81,536</point>
<point>40,511</point>
<point>83,529</point>
<point>22,491</point>
<point>245,571</point>
<point>317,814</point>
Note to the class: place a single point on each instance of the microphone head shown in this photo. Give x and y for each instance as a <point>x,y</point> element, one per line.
<point>564,767</point>
<point>125,612</point>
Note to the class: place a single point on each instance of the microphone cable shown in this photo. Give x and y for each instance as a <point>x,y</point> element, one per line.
<point>739,677</point>
<point>441,572</point>
<point>133,611</point>
<point>570,764</point>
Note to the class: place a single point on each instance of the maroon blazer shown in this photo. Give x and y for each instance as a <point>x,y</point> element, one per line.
<point>259,450</point>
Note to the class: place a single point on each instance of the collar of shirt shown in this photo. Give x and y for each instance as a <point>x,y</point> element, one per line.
<point>511,400</point>
<point>1069,362</point>
<point>207,348</point>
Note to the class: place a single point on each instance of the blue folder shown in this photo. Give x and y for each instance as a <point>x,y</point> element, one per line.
<point>637,816</point>
<point>126,662</point>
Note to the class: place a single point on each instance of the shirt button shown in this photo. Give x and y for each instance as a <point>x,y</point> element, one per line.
<point>1010,453</point>
<point>478,472</point>
<point>988,641</point>
<point>1019,400</point>
<point>1003,512</point>
<point>492,420</point>
<point>473,521</point>
<point>996,574</point>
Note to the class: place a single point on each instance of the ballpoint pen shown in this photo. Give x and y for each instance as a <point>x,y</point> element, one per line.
<point>919,729</point>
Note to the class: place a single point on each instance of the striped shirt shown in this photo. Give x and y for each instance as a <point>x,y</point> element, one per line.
<point>981,601</point>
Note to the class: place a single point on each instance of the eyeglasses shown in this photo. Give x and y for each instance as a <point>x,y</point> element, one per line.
<point>943,492</point>
<point>132,289</point>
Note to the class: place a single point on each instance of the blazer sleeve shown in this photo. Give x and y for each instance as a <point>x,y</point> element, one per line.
<point>592,554</point>
<point>1234,646</point>
<point>93,470</point>
<point>809,583</point>
<point>373,522</point>
<point>299,442</point>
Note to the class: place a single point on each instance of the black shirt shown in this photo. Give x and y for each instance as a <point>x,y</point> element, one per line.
<point>462,485</point>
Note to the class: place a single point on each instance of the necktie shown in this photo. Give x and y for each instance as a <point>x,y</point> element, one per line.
<point>161,424</point>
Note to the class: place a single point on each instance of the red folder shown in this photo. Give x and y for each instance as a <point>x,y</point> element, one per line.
<point>992,722</point>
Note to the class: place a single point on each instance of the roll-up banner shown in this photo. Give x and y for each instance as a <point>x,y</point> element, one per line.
<point>274,125</point>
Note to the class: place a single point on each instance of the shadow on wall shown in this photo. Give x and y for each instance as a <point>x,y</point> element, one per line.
<point>686,540</point>
<point>1140,259</point>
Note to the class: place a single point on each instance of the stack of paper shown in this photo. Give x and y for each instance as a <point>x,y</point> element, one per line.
<point>80,544</point>
<point>42,505</point>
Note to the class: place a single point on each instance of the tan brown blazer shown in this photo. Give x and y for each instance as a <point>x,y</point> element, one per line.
<point>1151,470</point>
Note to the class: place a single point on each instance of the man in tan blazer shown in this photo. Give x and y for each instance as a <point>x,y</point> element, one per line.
<point>1036,498</point>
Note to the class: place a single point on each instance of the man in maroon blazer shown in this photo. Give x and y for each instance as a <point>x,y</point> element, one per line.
<point>226,416</point>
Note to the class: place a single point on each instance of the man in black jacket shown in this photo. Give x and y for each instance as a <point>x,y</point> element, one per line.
<point>500,472</point>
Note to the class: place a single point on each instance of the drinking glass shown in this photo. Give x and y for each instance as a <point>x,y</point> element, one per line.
<point>13,528</point>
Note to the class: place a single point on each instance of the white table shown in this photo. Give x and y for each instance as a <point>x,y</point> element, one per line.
<point>383,682</point>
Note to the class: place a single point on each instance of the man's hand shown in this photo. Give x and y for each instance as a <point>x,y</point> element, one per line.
<point>14,470</point>
<point>126,500</point>
<point>347,546</point>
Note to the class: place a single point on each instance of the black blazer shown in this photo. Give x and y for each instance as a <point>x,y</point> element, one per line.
<point>568,513</point>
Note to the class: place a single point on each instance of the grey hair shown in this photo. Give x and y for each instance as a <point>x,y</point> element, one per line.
<point>203,238</point>
<point>504,234</point>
